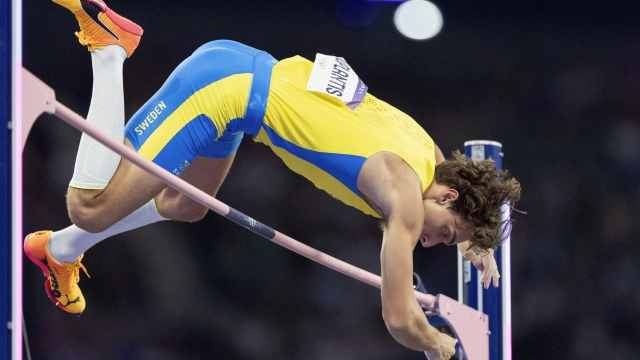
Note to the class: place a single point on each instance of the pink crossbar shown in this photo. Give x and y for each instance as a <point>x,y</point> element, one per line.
<point>468,339</point>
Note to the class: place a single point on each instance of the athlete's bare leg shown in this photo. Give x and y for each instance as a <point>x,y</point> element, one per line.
<point>204,173</point>
<point>131,187</point>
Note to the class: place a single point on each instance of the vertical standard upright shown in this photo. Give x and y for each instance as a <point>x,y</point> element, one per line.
<point>495,302</point>
<point>5,178</point>
<point>11,177</point>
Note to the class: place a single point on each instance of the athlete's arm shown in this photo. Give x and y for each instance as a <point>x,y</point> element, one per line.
<point>484,262</point>
<point>470,255</point>
<point>396,192</point>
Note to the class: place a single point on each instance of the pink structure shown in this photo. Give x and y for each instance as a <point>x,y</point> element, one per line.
<point>469,325</point>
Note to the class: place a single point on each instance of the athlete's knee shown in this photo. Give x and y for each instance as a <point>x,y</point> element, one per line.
<point>185,212</point>
<point>84,214</point>
<point>192,213</point>
<point>87,219</point>
<point>178,207</point>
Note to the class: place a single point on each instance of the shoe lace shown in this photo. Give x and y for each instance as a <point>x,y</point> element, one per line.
<point>87,41</point>
<point>76,270</point>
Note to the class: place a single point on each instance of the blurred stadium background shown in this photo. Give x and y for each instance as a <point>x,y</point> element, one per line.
<point>558,83</point>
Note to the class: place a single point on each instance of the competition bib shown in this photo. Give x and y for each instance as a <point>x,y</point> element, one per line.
<point>333,76</point>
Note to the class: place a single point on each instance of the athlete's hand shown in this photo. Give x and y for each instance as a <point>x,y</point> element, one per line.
<point>445,350</point>
<point>489,269</point>
<point>484,262</point>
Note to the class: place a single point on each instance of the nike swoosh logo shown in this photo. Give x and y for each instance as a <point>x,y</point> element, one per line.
<point>93,10</point>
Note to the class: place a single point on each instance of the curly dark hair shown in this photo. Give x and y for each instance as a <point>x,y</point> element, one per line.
<point>483,190</point>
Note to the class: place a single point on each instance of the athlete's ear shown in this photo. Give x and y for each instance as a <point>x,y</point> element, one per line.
<point>449,195</point>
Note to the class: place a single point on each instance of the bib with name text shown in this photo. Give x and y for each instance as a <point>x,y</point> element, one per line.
<point>333,76</point>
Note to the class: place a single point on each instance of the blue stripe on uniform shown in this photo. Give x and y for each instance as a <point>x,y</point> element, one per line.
<point>345,168</point>
<point>194,136</point>
<point>257,107</point>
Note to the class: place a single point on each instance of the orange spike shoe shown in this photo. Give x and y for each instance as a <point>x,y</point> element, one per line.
<point>62,279</point>
<point>101,26</point>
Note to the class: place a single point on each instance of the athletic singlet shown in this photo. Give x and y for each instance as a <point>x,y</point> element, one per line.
<point>226,89</point>
<point>320,138</point>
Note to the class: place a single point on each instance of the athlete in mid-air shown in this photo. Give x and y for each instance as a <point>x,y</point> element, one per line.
<point>317,117</point>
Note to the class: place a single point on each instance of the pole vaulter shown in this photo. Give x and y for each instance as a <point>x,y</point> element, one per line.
<point>468,325</point>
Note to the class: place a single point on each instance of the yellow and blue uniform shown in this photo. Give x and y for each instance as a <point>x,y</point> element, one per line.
<point>226,89</point>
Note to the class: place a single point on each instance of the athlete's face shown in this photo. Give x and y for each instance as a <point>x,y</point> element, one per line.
<point>441,224</point>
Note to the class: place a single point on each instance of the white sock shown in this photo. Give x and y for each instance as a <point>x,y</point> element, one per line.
<point>66,245</point>
<point>95,164</point>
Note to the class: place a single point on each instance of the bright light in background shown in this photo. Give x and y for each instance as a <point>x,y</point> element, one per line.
<point>418,19</point>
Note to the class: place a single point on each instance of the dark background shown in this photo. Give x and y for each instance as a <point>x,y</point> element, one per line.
<point>557,83</point>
